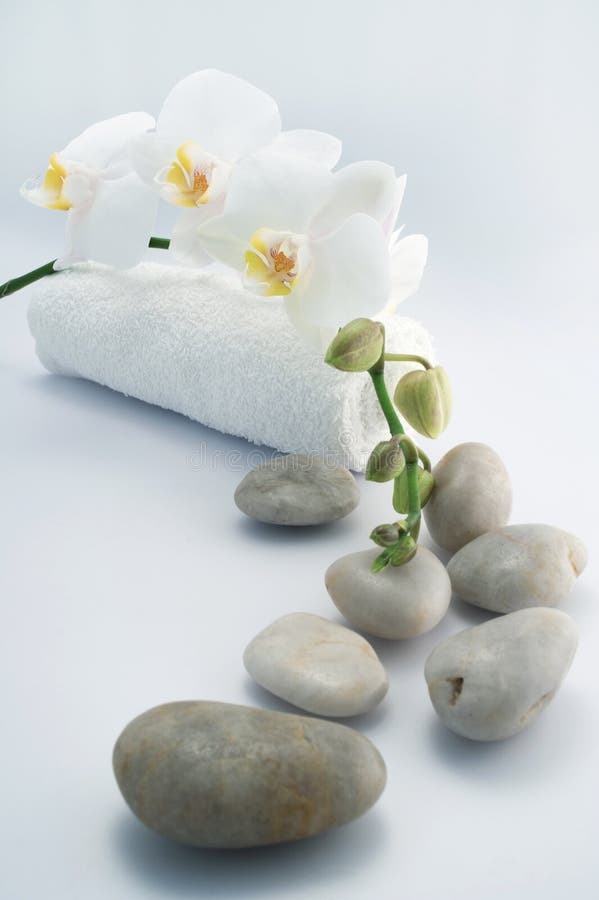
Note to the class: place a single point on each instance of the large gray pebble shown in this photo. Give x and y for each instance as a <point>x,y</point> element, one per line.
<point>318,665</point>
<point>297,490</point>
<point>399,602</point>
<point>472,495</point>
<point>491,681</point>
<point>219,775</point>
<point>518,566</point>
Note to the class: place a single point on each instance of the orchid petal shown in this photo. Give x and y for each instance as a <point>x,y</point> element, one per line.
<point>186,243</point>
<point>390,220</point>
<point>408,259</point>
<point>116,228</point>
<point>229,117</point>
<point>349,275</point>
<point>151,153</point>
<point>363,187</point>
<point>317,146</point>
<point>393,240</point>
<point>282,193</point>
<point>106,143</point>
<point>317,336</point>
<point>221,243</point>
<point>79,189</point>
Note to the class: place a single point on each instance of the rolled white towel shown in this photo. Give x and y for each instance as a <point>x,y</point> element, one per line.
<point>197,343</point>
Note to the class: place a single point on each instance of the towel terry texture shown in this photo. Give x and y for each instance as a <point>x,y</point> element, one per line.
<point>197,343</point>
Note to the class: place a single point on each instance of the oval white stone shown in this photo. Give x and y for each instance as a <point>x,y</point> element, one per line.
<point>518,566</point>
<point>318,665</point>
<point>472,495</point>
<point>297,490</point>
<point>218,775</point>
<point>491,681</point>
<point>399,602</point>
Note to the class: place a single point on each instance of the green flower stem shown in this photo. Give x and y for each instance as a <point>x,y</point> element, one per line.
<point>410,450</point>
<point>159,243</point>
<point>395,426</point>
<point>413,495</point>
<point>407,357</point>
<point>393,421</point>
<point>15,284</point>
<point>424,459</point>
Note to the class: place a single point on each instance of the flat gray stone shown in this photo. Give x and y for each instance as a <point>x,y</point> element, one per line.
<point>318,665</point>
<point>399,602</point>
<point>491,681</point>
<point>297,490</point>
<point>518,566</point>
<point>219,775</point>
<point>472,495</point>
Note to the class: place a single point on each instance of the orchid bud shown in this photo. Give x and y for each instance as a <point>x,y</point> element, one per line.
<point>426,482</point>
<point>357,346</point>
<point>385,535</point>
<point>405,552</point>
<point>424,398</point>
<point>385,462</point>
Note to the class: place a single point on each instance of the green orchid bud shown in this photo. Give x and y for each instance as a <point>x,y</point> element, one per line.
<point>426,483</point>
<point>405,552</point>
<point>424,399</point>
<point>385,462</point>
<point>385,535</point>
<point>357,346</point>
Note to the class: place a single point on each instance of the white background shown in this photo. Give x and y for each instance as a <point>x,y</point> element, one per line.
<point>127,576</point>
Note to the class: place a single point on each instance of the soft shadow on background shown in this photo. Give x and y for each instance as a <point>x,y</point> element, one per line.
<point>314,864</point>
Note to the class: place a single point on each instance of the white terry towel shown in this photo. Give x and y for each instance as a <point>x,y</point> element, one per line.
<point>198,343</point>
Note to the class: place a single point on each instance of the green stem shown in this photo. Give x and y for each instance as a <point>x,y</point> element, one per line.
<point>159,243</point>
<point>15,284</point>
<point>424,459</point>
<point>393,421</point>
<point>413,494</point>
<point>407,357</point>
<point>410,450</point>
<point>395,426</point>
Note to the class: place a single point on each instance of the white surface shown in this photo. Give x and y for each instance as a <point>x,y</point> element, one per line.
<point>124,561</point>
<point>129,578</point>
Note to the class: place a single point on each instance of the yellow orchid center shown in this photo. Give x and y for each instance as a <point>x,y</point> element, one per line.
<point>189,177</point>
<point>50,193</point>
<point>272,264</point>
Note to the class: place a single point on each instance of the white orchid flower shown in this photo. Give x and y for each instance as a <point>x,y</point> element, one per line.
<point>317,239</point>
<point>209,122</point>
<point>290,227</point>
<point>373,188</point>
<point>110,210</point>
<point>408,255</point>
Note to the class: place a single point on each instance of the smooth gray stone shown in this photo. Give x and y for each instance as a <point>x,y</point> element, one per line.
<point>297,490</point>
<point>218,775</point>
<point>472,495</point>
<point>318,665</point>
<point>491,681</point>
<point>518,566</point>
<point>399,602</point>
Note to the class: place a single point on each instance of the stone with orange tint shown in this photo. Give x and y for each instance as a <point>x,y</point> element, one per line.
<point>218,775</point>
<point>318,665</point>
<point>518,566</point>
<point>489,682</point>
